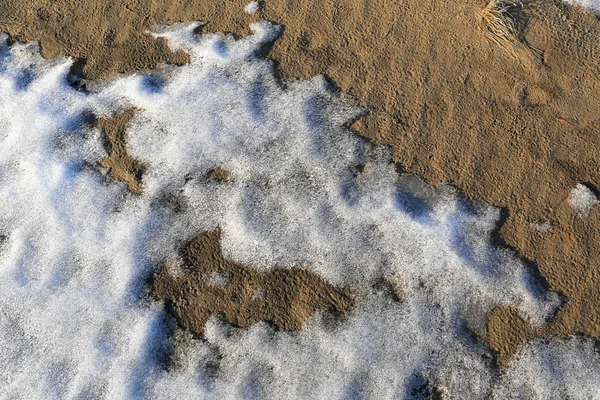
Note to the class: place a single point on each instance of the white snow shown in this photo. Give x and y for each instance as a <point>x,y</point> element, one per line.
<point>252,7</point>
<point>558,369</point>
<point>591,5</point>
<point>582,199</point>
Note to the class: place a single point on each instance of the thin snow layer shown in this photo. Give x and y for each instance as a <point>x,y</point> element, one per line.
<point>252,7</point>
<point>76,248</point>
<point>72,264</point>
<point>562,369</point>
<point>582,199</point>
<point>591,5</point>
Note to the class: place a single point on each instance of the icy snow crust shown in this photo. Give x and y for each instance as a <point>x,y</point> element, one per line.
<point>252,7</point>
<point>583,200</point>
<point>76,248</point>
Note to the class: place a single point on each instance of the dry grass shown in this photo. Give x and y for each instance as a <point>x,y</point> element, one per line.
<point>498,25</point>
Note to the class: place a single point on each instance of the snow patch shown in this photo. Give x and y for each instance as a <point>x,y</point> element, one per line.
<point>252,7</point>
<point>582,199</point>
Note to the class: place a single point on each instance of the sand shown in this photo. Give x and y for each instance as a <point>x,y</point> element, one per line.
<point>210,284</point>
<point>513,123</point>
<point>119,164</point>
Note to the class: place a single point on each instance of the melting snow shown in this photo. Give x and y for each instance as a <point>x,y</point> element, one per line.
<point>77,248</point>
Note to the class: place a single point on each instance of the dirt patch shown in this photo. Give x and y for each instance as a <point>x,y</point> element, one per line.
<point>120,165</point>
<point>569,259</point>
<point>209,284</point>
<point>105,36</point>
<point>506,332</point>
<point>218,175</point>
<point>390,287</point>
<point>512,122</point>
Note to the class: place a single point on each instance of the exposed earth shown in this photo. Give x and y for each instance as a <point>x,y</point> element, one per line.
<point>509,120</point>
<point>208,283</point>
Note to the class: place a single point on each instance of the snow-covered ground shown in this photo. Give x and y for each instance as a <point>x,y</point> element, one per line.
<point>76,248</point>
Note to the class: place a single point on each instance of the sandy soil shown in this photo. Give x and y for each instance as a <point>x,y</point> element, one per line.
<point>210,284</point>
<point>514,124</point>
<point>118,163</point>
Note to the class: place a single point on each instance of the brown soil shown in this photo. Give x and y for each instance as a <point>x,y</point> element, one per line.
<point>569,259</point>
<point>105,36</point>
<point>512,122</point>
<point>506,332</point>
<point>218,175</point>
<point>210,284</point>
<point>119,164</point>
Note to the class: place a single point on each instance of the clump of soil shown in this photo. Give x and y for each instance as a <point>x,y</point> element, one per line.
<point>506,332</point>
<point>218,175</point>
<point>120,165</point>
<point>517,128</point>
<point>210,284</point>
<point>390,287</point>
